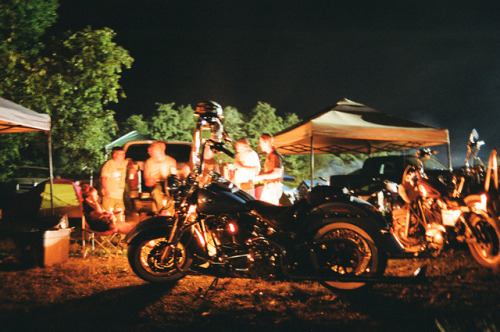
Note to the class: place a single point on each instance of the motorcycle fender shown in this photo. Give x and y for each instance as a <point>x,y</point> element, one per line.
<point>151,226</point>
<point>477,204</point>
<point>360,215</point>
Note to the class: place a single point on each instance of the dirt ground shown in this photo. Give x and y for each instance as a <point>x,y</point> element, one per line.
<point>101,293</point>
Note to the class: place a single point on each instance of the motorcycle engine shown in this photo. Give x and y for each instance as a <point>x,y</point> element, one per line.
<point>435,237</point>
<point>432,210</point>
<point>228,230</point>
<point>265,259</point>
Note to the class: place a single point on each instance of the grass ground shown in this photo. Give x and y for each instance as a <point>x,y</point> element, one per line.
<point>100,292</point>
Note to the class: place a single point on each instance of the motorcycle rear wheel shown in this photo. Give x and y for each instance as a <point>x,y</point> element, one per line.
<point>486,248</point>
<point>144,256</point>
<point>347,249</point>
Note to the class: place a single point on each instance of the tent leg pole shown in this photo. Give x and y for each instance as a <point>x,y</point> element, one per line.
<point>312,162</point>
<point>51,174</point>
<point>449,156</point>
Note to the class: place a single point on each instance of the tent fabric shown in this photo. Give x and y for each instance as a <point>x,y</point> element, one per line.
<point>131,136</point>
<point>15,118</point>
<point>350,127</point>
<point>66,199</point>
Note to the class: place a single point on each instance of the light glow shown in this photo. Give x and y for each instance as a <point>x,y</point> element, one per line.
<point>200,236</point>
<point>423,191</point>
<point>232,228</point>
<point>482,205</point>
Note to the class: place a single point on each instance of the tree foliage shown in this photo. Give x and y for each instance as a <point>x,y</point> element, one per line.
<point>173,124</point>
<point>23,23</point>
<point>234,123</point>
<point>72,78</point>
<point>75,78</point>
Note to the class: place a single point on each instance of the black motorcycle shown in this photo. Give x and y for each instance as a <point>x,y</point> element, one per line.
<point>439,211</point>
<point>220,230</point>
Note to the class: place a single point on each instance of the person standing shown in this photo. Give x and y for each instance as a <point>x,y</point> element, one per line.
<point>246,166</point>
<point>272,172</point>
<point>113,175</point>
<point>156,172</point>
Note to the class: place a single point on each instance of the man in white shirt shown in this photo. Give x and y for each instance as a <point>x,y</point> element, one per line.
<point>246,166</point>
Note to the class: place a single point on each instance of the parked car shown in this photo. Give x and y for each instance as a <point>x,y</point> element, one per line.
<point>389,168</point>
<point>27,177</point>
<point>377,180</point>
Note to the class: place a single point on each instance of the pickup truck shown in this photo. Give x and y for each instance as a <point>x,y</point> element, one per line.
<point>136,198</point>
<point>380,174</point>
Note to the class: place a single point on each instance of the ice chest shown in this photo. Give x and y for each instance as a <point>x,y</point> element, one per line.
<point>55,246</point>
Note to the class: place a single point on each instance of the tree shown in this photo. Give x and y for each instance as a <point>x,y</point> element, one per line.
<point>262,119</point>
<point>135,122</point>
<point>234,123</point>
<point>72,80</point>
<point>73,85</point>
<point>23,23</point>
<point>168,123</point>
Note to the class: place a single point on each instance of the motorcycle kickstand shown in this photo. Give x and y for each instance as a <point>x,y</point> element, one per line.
<point>202,294</point>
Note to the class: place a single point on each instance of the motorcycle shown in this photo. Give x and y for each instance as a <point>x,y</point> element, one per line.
<point>439,211</point>
<point>218,229</point>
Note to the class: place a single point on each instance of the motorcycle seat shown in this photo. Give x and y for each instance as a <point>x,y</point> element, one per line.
<point>277,216</point>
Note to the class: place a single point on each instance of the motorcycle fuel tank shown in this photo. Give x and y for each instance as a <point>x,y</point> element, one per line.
<point>426,189</point>
<point>216,200</point>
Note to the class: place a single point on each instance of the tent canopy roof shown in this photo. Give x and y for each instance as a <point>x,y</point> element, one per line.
<point>350,127</point>
<point>16,119</point>
<point>120,141</point>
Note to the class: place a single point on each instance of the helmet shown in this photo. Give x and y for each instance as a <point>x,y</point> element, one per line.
<point>208,109</point>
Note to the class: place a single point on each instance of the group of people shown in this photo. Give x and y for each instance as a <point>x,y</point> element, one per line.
<point>248,172</point>
<point>110,212</point>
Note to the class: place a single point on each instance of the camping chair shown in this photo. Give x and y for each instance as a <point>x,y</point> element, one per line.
<point>110,241</point>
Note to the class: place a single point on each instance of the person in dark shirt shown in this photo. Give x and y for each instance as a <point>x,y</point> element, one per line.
<point>97,218</point>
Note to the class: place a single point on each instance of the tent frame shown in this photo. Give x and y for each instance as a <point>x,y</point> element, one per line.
<point>352,128</point>
<point>15,118</point>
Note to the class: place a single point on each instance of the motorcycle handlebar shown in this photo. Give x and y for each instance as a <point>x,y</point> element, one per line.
<point>219,146</point>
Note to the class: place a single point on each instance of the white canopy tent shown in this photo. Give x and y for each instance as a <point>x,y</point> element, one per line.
<point>350,127</point>
<point>15,118</point>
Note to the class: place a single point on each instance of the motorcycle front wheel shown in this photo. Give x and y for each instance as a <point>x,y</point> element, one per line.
<point>148,260</point>
<point>348,250</point>
<point>486,247</point>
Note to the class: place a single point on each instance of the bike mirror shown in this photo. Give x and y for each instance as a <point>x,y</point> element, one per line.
<point>474,136</point>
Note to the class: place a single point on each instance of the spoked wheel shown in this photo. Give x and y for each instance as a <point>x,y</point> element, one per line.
<point>485,248</point>
<point>153,260</point>
<point>348,250</point>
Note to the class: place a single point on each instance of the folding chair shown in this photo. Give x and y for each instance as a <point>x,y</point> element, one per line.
<point>110,241</point>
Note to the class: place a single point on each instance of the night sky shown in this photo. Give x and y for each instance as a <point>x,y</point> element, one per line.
<point>435,62</point>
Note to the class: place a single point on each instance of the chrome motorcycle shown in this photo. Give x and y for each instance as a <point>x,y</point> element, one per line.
<point>439,211</point>
<point>220,230</point>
